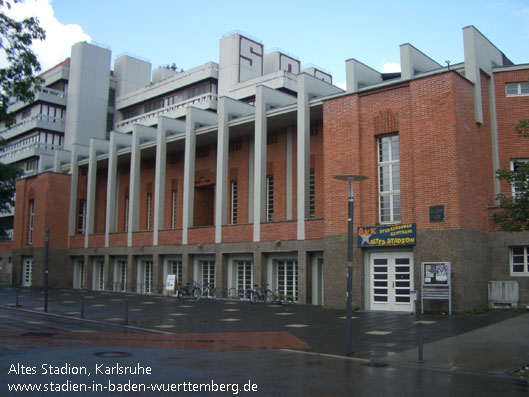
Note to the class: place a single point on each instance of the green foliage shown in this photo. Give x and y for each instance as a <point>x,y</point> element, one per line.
<point>18,80</point>
<point>522,128</point>
<point>514,216</point>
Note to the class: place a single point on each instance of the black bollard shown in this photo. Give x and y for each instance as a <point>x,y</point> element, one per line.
<point>420,359</point>
<point>127,311</point>
<point>82,305</point>
<point>18,293</point>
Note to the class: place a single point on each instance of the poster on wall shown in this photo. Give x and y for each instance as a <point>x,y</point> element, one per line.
<point>170,285</point>
<point>436,273</point>
<point>382,236</point>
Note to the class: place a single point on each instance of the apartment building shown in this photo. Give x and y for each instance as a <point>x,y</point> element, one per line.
<point>225,174</point>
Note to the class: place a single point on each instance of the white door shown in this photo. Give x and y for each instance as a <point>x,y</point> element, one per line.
<point>391,280</point>
<point>28,269</point>
<point>148,280</point>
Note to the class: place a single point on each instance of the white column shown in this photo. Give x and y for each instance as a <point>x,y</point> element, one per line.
<point>289,173</point>
<point>140,134</point>
<point>117,140</point>
<point>189,175</point>
<point>303,153</point>
<point>77,150</point>
<point>96,146</point>
<point>221,209</point>
<point>194,116</point>
<point>260,163</point>
<point>251,163</point>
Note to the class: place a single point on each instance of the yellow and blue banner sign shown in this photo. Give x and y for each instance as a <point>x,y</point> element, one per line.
<point>382,236</point>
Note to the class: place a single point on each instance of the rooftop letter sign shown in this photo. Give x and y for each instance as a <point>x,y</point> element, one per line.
<point>382,236</point>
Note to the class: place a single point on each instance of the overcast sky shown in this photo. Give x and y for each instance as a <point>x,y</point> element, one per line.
<point>322,33</point>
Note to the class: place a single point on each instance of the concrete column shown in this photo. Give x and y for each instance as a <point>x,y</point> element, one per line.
<point>221,202</point>
<point>194,117</point>
<point>303,153</point>
<point>189,174</point>
<point>289,173</point>
<point>259,210</point>
<point>96,146</point>
<point>159,180</point>
<point>251,162</point>
<point>140,134</point>
<point>74,170</point>
<point>110,224</point>
<point>117,141</point>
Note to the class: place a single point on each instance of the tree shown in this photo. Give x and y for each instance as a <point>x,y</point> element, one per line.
<point>514,216</point>
<point>18,80</point>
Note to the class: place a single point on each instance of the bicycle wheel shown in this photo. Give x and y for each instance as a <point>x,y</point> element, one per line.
<point>268,296</point>
<point>197,293</point>
<point>254,297</point>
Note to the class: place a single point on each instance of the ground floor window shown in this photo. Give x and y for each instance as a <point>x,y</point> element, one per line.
<point>520,261</point>
<point>120,275</point>
<point>286,278</point>
<point>148,279</point>
<point>208,273</point>
<point>244,274</point>
<point>175,267</point>
<point>79,273</point>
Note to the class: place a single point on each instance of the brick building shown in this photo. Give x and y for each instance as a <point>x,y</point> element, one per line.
<point>237,187</point>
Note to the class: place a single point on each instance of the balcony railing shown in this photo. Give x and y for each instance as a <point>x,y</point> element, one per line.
<point>144,118</point>
<point>17,149</point>
<point>40,120</point>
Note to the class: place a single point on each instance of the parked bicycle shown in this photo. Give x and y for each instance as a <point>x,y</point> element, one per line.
<point>260,294</point>
<point>190,291</point>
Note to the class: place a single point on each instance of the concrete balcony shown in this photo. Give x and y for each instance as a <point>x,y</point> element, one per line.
<point>47,95</point>
<point>208,71</point>
<point>17,152</point>
<point>36,122</point>
<point>205,101</point>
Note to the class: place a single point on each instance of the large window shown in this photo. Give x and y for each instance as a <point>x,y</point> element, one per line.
<point>312,194</point>
<point>516,187</point>
<point>514,89</point>
<point>270,198</point>
<point>389,179</point>
<point>81,218</point>
<point>234,202</point>
<point>149,211</point>
<point>520,261</point>
<point>31,219</point>
<point>174,203</point>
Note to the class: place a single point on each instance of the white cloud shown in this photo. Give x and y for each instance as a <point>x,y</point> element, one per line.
<point>390,67</point>
<point>342,85</point>
<point>59,37</point>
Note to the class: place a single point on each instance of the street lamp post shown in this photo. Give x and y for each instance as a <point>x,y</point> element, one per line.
<point>350,247</point>
<point>46,261</point>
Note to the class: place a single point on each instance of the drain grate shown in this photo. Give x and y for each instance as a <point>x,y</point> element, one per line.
<point>112,354</point>
<point>45,334</point>
<point>374,364</point>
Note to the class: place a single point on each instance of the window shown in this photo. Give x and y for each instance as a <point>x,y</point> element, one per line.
<point>517,187</point>
<point>389,179</point>
<point>312,194</point>
<point>31,220</point>
<point>149,211</point>
<point>81,219</point>
<point>515,89</point>
<point>126,214</point>
<point>269,198</point>
<point>148,280</point>
<point>234,202</point>
<point>287,278</point>
<point>174,199</point>
<point>520,261</point>
<point>175,267</point>
<point>244,275</point>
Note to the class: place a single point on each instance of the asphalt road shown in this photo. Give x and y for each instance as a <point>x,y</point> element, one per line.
<point>207,348</point>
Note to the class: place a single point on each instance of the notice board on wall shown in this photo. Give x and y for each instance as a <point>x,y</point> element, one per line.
<point>436,282</point>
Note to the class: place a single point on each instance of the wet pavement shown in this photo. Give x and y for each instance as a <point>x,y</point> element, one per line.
<point>294,349</point>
